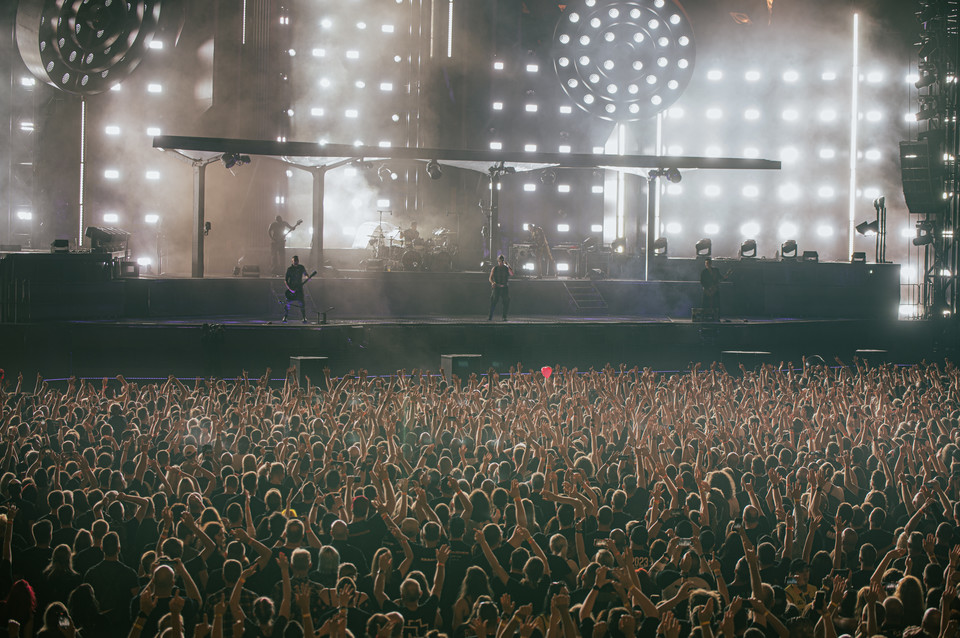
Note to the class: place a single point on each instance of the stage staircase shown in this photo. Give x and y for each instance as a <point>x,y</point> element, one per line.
<point>587,300</point>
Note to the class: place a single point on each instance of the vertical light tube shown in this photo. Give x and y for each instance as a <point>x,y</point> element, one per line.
<point>621,184</point>
<point>450,30</point>
<point>243,23</point>
<point>854,120</point>
<point>659,183</point>
<point>83,161</point>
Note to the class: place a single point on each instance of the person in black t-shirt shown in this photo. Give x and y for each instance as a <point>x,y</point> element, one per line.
<point>499,277</point>
<point>294,281</point>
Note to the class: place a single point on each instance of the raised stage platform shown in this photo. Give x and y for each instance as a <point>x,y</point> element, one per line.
<point>102,325</point>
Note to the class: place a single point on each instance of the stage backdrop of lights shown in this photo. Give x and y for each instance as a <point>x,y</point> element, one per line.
<point>355,74</point>
<point>782,91</point>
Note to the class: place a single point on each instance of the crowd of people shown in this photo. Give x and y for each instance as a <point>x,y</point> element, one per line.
<point>792,501</point>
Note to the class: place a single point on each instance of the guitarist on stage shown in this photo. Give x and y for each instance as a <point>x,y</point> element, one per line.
<point>294,281</point>
<point>278,232</point>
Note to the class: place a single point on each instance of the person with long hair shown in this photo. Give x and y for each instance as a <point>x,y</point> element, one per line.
<point>57,622</point>
<point>475,584</point>
<point>59,578</point>
<point>86,615</point>
<point>20,607</point>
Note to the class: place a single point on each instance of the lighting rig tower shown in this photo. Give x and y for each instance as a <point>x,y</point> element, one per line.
<point>929,165</point>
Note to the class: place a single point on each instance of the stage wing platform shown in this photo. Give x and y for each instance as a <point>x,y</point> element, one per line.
<point>88,321</point>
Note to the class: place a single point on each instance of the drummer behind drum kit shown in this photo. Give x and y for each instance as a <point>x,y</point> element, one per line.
<point>434,254</point>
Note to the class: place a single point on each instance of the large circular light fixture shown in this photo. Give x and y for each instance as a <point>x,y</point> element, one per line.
<point>85,47</point>
<point>624,60</point>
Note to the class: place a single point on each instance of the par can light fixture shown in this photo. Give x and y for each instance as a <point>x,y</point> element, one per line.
<point>624,60</point>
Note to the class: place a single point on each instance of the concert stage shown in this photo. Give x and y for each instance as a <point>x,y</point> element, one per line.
<point>390,320</point>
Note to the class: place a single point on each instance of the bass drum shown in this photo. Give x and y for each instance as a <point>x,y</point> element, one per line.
<point>439,261</point>
<point>412,260</point>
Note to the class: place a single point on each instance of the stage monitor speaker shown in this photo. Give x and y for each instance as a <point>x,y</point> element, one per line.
<point>461,366</point>
<point>373,265</point>
<point>701,315</point>
<point>309,367</point>
<point>250,270</point>
<point>58,246</point>
<point>921,168</point>
<point>107,238</point>
<point>128,269</point>
<point>10,248</point>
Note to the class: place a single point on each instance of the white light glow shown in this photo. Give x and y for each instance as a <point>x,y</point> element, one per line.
<point>596,228</point>
<point>750,229</point>
<point>24,215</point>
<point>875,77</point>
<point>28,81</point>
<point>675,112</point>
<point>872,155</point>
<point>498,66</point>
<point>751,191</point>
<point>828,76</point>
<point>715,75</point>
<point>909,117</point>
<point>714,114</point>
<point>387,28</point>
<point>566,110</point>
<point>563,228</point>
<point>386,86</point>
<point>383,203</point>
<point>907,232</point>
<point>154,88</point>
<point>564,148</point>
<point>597,190</point>
<point>711,229</point>
<point>828,115</point>
<point>871,192</point>
<point>529,188</point>
<point>789,154</point>
<point>874,116</point>
<point>791,76</point>
<point>826,192</point>
<point>563,188</point>
<point>533,68</point>
<point>787,230</point>
<point>751,114</point>
<point>674,228</point>
<point>752,76</point>
<point>712,190</point>
<point>529,266</point>
<point>496,146</point>
<point>827,153</point>
<point>318,53</point>
<point>498,106</point>
<point>791,115</point>
<point>825,231</point>
<point>151,218</point>
<point>530,148</point>
<point>563,267</point>
<point>153,131</point>
<point>674,189</point>
<point>353,54</point>
<point>352,113</point>
<point>153,175</point>
<point>156,44</point>
<point>144,261</point>
<point>912,78</point>
<point>530,108</point>
<point>789,192</point>
<point>110,218</point>
<point>111,173</point>
<point>112,130</point>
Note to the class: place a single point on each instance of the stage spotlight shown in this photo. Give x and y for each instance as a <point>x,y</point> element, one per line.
<point>434,170</point>
<point>386,174</point>
<point>788,249</point>
<point>810,255</point>
<point>748,249</point>
<point>619,245</point>
<point>926,79</point>
<point>925,239</point>
<point>660,247</point>
<point>548,177</point>
<point>673,175</point>
<point>234,159</point>
<point>868,228</point>
<point>858,258</point>
<point>704,247</point>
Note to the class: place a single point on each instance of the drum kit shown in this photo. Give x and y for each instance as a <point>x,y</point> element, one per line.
<point>435,253</point>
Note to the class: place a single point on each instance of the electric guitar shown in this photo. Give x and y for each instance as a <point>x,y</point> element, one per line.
<point>290,230</point>
<point>291,293</point>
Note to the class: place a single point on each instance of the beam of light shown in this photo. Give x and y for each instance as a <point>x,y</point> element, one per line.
<point>83,160</point>
<point>854,107</point>
<point>450,30</point>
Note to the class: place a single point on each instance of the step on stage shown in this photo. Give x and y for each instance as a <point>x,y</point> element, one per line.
<point>770,310</point>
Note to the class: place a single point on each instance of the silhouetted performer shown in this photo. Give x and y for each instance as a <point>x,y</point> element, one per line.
<point>499,277</point>
<point>411,236</point>
<point>541,246</point>
<point>294,280</point>
<point>710,279</point>
<point>278,232</point>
